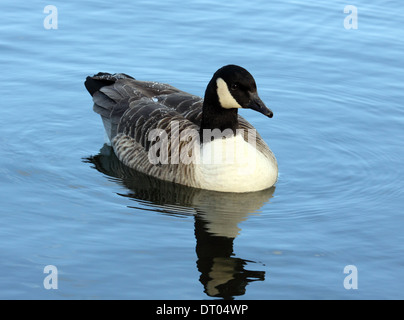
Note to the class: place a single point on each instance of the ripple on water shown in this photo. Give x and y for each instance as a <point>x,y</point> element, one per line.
<point>341,157</point>
<point>362,170</point>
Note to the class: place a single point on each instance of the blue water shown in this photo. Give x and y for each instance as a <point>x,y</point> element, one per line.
<point>337,132</point>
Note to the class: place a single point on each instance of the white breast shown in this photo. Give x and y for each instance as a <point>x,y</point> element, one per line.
<point>234,165</point>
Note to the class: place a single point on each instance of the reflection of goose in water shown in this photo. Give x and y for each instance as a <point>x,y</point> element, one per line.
<point>217,215</point>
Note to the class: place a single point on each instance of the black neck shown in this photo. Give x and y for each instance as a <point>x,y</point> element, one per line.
<point>216,117</point>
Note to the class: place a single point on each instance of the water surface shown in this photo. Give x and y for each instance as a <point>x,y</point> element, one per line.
<point>337,133</point>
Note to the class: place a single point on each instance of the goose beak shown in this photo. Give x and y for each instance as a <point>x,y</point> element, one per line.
<point>257,105</point>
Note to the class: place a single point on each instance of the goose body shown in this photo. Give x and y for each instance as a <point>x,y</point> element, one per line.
<point>175,136</point>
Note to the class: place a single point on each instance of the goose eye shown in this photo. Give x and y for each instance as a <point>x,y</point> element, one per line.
<point>234,86</point>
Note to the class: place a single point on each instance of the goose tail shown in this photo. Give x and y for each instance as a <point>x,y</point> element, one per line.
<point>102,79</point>
<point>109,99</point>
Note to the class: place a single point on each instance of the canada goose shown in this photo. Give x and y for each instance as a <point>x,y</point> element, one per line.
<point>175,136</point>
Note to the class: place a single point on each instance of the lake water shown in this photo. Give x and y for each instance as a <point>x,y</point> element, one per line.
<point>337,96</point>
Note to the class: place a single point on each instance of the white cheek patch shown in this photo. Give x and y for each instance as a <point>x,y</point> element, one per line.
<point>225,98</point>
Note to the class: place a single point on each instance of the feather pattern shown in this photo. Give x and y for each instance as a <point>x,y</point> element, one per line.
<point>131,110</point>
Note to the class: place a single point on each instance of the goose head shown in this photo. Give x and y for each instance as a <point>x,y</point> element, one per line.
<point>236,88</point>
